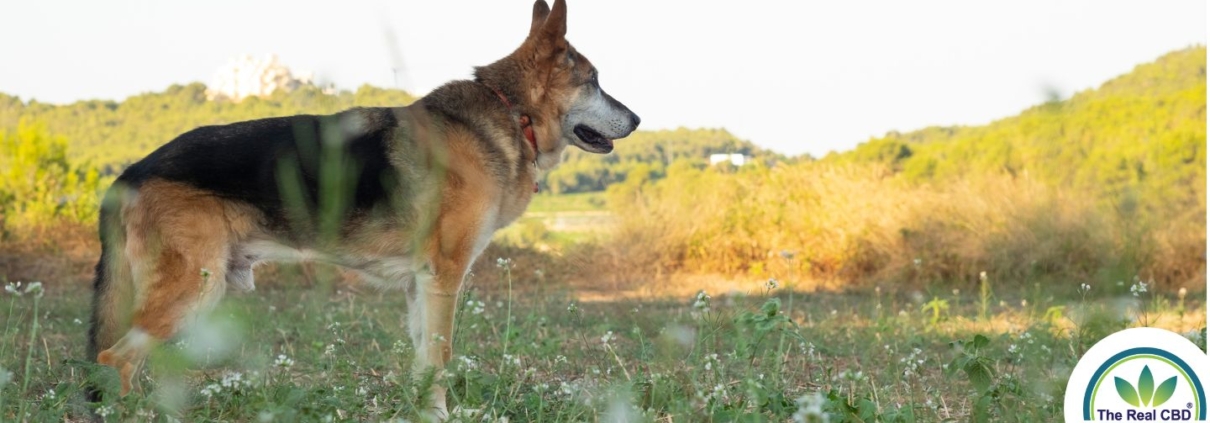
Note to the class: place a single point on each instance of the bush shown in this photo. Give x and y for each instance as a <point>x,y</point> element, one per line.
<point>38,184</point>
<point>858,222</point>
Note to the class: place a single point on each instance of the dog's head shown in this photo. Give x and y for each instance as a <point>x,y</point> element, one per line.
<point>560,88</point>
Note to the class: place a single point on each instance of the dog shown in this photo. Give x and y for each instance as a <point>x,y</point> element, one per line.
<point>408,197</point>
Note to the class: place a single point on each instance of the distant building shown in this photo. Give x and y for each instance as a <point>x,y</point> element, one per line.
<point>735,159</point>
<point>246,76</point>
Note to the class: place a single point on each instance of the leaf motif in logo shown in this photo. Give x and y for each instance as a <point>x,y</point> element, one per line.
<point>1164,392</point>
<point>1126,391</point>
<point>1146,386</point>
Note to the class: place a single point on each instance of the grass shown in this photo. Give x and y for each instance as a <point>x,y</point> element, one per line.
<point>580,202</point>
<point>768,354</point>
<point>858,224</point>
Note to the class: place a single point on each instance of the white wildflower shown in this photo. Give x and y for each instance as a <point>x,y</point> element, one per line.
<point>509,358</point>
<point>911,362</point>
<point>211,390</point>
<point>283,361</point>
<point>35,288</point>
<point>1138,287</point>
<point>771,284</point>
<point>235,381</point>
<point>399,347</point>
<point>851,376</point>
<point>702,302</point>
<point>476,307</point>
<point>607,337</point>
<point>467,363</point>
<point>810,409</point>
<point>104,411</point>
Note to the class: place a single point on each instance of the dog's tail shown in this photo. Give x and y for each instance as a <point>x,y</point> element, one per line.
<point>112,286</point>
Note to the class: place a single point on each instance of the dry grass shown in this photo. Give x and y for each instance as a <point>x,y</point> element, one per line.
<point>63,251</point>
<point>861,224</point>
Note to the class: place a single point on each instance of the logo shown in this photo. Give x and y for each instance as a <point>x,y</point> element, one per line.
<point>1140,374</point>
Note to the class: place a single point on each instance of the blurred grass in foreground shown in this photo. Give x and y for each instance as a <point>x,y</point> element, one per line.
<point>763,353</point>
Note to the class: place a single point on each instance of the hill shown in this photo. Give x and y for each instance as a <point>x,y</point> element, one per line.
<point>1105,187</point>
<point>1139,138</point>
<point>109,135</point>
<point>648,153</point>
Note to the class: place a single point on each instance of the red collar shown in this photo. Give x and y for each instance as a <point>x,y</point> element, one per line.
<point>527,127</point>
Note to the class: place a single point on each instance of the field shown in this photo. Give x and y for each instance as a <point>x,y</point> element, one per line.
<point>552,352</point>
<point>944,274</point>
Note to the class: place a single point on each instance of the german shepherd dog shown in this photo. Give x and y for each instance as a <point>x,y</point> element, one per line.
<point>422,190</point>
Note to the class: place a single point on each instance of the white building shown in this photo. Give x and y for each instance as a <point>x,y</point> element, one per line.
<point>246,76</point>
<point>735,159</point>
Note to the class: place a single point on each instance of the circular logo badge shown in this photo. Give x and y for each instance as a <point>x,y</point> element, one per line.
<point>1139,375</point>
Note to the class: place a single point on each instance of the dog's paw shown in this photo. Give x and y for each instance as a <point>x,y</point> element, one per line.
<point>435,414</point>
<point>466,415</point>
<point>241,279</point>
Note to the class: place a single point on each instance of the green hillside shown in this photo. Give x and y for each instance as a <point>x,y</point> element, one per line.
<point>109,135</point>
<point>649,153</point>
<point>1139,138</point>
<point>1104,187</point>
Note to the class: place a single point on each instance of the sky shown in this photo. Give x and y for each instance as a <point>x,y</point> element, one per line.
<point>792,76</point>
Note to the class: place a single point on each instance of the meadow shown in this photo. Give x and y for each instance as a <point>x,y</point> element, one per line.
<point>533,351</point>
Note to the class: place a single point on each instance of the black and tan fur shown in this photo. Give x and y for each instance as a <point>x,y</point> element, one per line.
<point>406,196</point>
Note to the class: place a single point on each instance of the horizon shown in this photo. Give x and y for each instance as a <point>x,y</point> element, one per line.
<point>776,79</point>
<point>693,128</point>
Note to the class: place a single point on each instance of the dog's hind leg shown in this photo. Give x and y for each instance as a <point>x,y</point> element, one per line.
<point>177,244</point>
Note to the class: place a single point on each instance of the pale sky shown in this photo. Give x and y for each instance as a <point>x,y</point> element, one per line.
<point>793,76</point>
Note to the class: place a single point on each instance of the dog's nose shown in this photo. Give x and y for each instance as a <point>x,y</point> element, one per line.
<point>634,119</point>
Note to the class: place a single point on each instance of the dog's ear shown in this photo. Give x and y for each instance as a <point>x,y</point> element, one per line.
<point>555,27</point>
<point>540,12</point>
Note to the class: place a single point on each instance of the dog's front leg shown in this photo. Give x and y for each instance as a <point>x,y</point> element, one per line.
<point>431,320</point>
